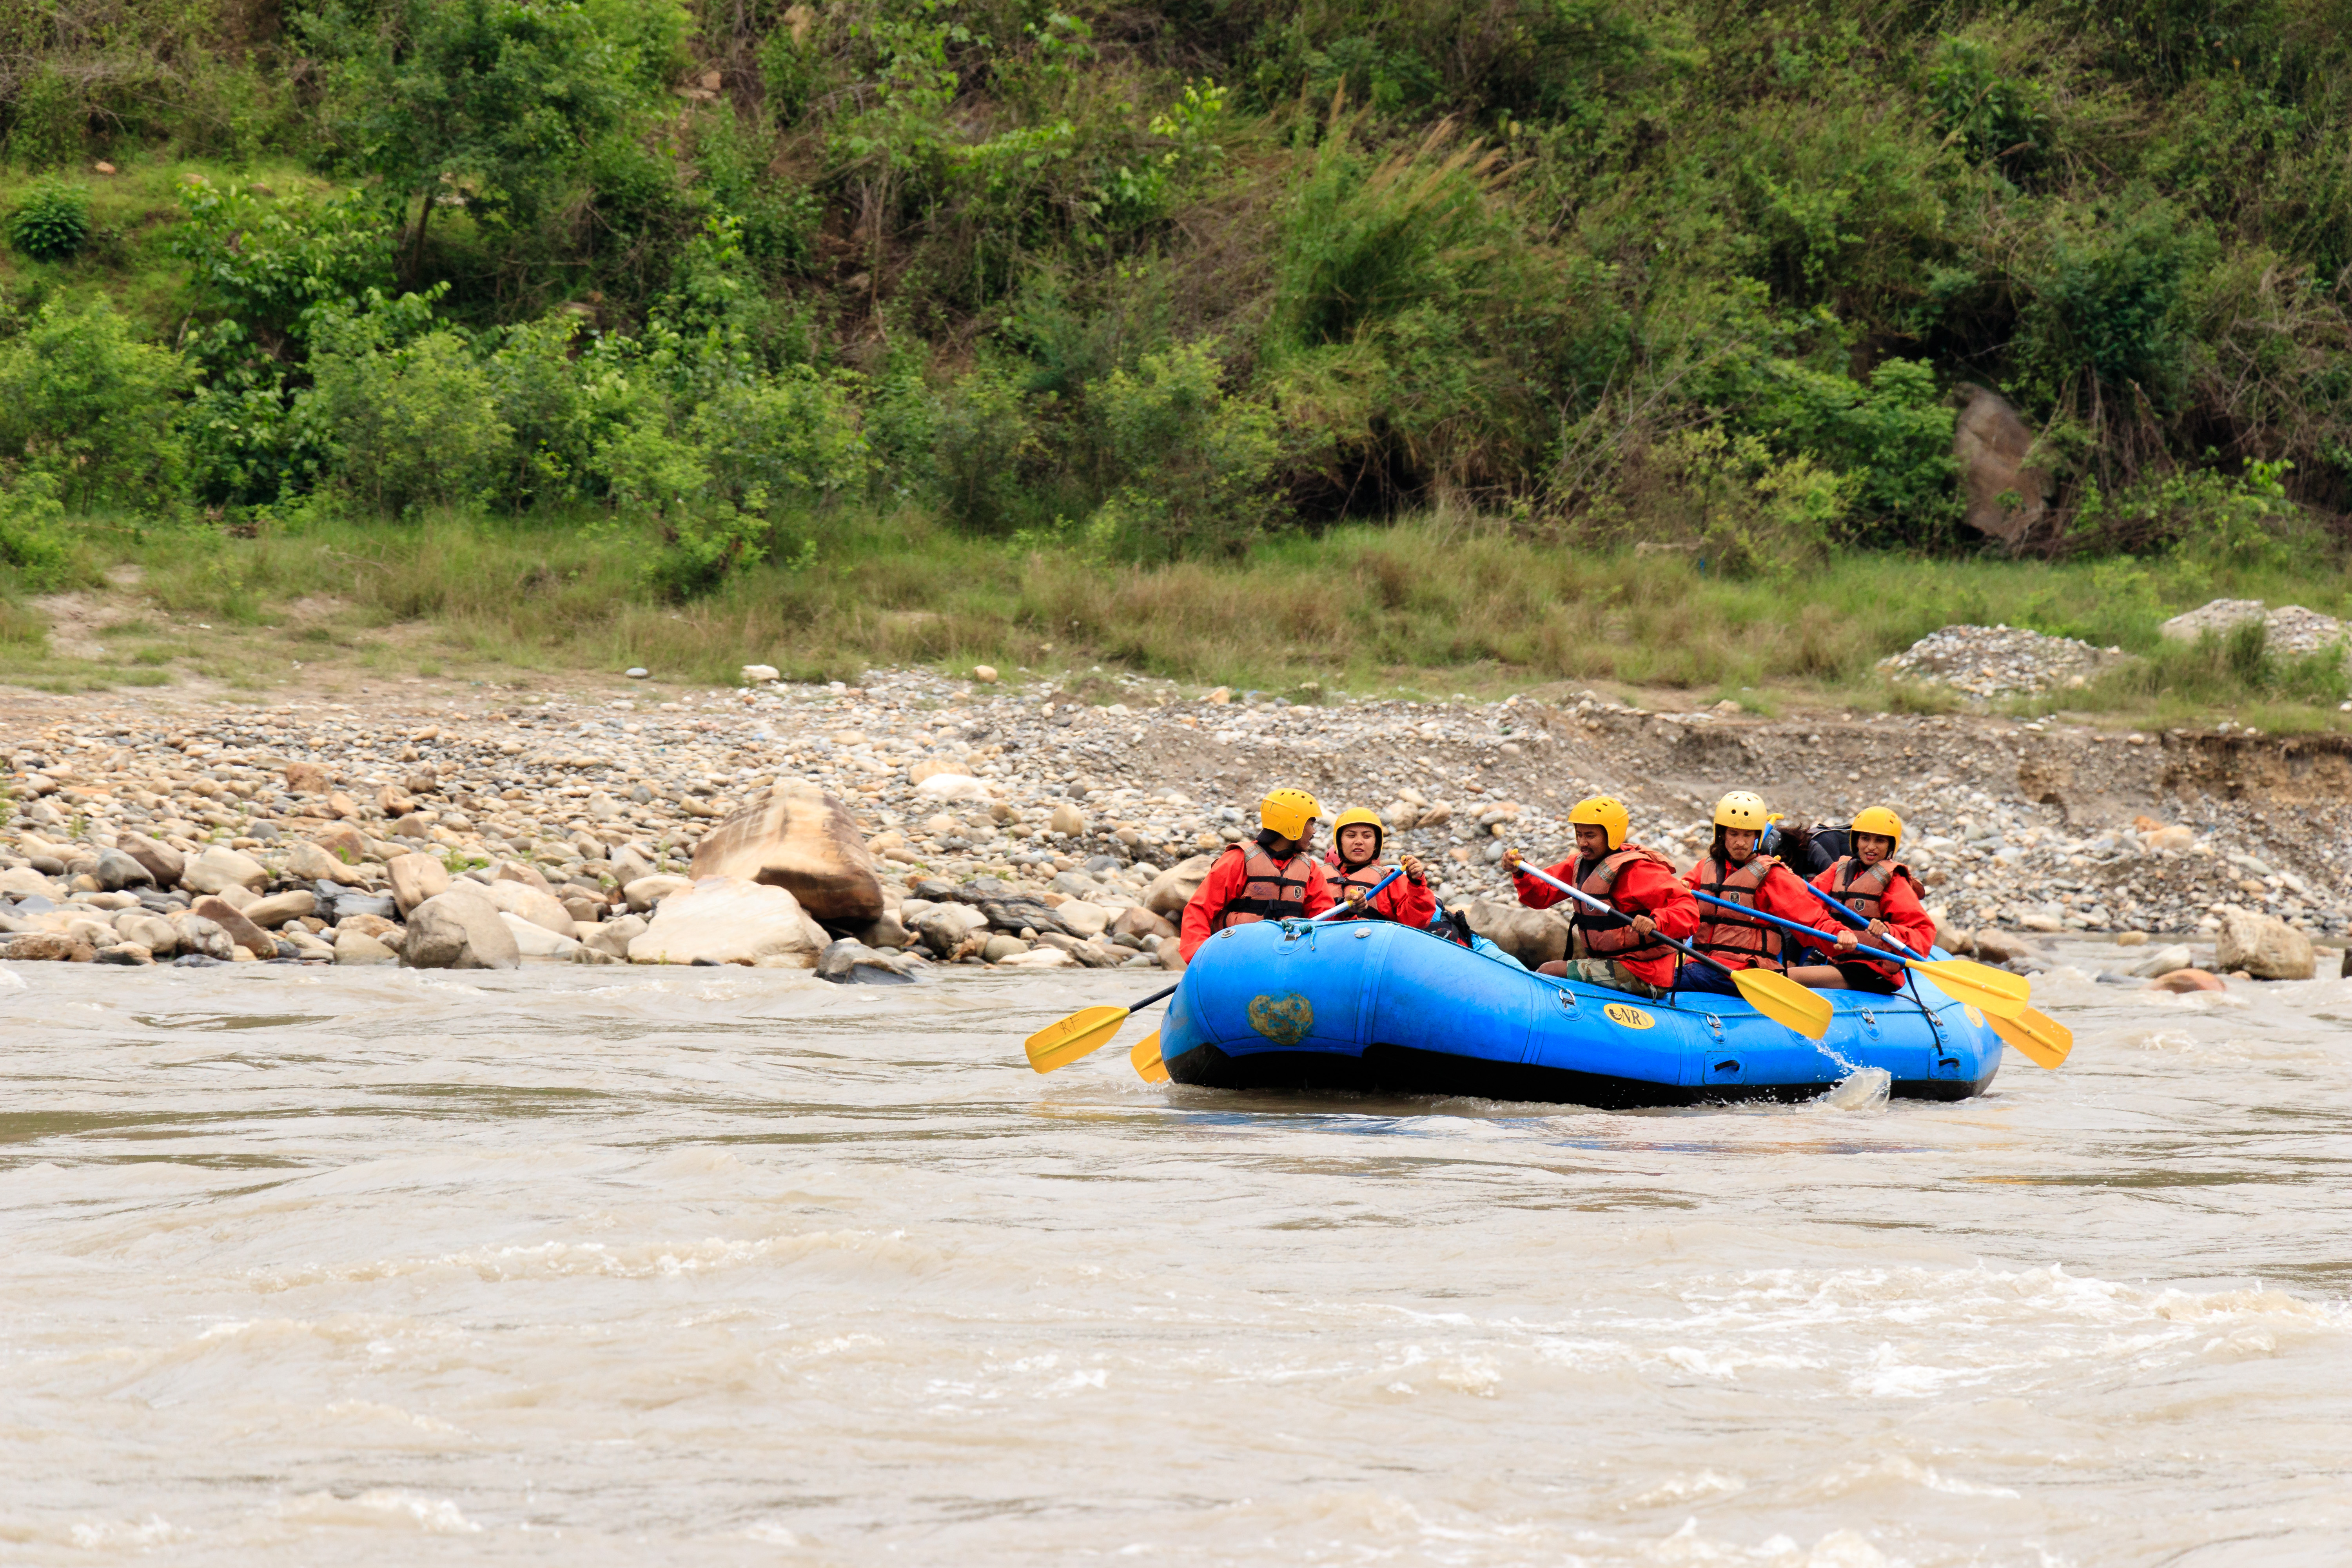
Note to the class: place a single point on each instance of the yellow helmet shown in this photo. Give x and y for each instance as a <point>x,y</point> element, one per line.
<point>1605,812</point>
<point>1361,816</point>
<point>1743,809</point>
<point>1288,812</point>
<point>1881,821</point>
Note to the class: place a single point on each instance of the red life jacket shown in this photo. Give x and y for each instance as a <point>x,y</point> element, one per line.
<point>1722,932</point>
<point>1613,936</point>
<point>1863,888</point>
<point>1343,881</point>
<point>1277,889</point>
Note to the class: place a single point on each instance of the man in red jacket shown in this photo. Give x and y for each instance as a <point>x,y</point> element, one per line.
<point>1621,950</point>
<point>1354,867</point>
<point>1273,876</point>
<point>1876,886</point>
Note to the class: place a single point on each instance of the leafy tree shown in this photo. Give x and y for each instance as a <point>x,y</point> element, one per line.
<point>491,105</point>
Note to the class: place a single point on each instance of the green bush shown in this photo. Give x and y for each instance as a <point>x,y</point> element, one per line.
<point>52,222</point>
<point>1193,460</point>
<point>793,440</point>
<point>988,444</point>
<point>85,402</point>
<point>32,535</point>
<point>407,423</point>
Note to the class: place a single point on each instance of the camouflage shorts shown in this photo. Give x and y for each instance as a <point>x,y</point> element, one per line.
<point>1610,973</point>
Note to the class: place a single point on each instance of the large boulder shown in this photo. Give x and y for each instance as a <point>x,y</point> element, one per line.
<point>526,902</point>
<point>535,941</point>
<point>271,912</point>
<point>163,863</point>
<point>216,867</point>
<point>943,927</point>
<point>459,929</point>
<point>415,879</point>
<point>730,919</point>
<point>152,931</point>
<point>192,933</point>
<point>1173,888</point>
<point>358,947</point>
<point>306,862</point>
<point>645,892</point>
<point>804,841</point>
<point>2263,946</point>
<point>851,963</point>
<point>1137,921</point>
<point>116,870</point>
<point>1990,445</point>
<point>612,938</point>
<point>24,882</point>
<point>241,930</point>
<point>1531,936</point>
<point>1082,919</point>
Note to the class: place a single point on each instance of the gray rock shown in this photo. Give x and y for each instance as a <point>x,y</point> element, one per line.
<point>2263,946</point>
<point>358,947</point>
<point>216,867</point>
<point>2163,960</point>
<point>459,929</point>
<point>202,938</point>
<point>163,863</point>
<point>851,963</point>
<point>885,932</point>
<point>610,939</point>
<point>1173,888</point>
<point>1001,948</point>
<point>116,870</point>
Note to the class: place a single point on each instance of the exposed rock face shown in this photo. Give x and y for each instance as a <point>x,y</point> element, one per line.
<point>1990,445</point>
<point>459,929</point>
<point>804,841</point>
<point>851,963</point>
<point>647,891</point>
<point>728,919</point>
<point>2263,946</point>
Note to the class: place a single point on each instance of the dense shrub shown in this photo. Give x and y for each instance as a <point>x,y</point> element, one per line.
<point>83,401</point>
<point>51,222</point>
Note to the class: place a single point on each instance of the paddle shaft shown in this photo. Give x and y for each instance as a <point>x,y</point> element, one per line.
<point>1803,933</point>
<point>1853,917</point>
<point>1582,897</point>
<point>2009,1029</point>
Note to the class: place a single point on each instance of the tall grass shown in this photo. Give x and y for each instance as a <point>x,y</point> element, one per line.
<point>1426,603</point>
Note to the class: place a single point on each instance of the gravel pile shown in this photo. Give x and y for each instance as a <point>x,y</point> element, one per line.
<point>1999,661</point>
<point>2293,631</point>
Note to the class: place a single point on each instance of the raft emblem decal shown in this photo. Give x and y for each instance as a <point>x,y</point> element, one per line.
<point>1284,1019</point>
<point>1968,1011</point>
<point>1630,1018</point>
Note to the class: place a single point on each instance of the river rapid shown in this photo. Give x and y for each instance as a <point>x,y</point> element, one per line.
<point>610,1266</point>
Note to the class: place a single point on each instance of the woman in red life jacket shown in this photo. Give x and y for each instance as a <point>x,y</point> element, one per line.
<point>1354,866</point>
<point>1620,950</point>
<point>1876,886</point>
<point>1272,876</point>
<point>1734,870</point>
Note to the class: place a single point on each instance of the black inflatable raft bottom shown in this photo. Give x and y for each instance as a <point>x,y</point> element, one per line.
<point>1406,1070</point>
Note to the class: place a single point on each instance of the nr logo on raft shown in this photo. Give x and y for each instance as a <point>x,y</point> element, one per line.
<point>1631,1017</point>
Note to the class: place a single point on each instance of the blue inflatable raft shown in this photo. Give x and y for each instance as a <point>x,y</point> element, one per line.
<point>1377,1006</point>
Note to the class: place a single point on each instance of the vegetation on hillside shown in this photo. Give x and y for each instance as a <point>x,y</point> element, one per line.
<point>1148,284</point>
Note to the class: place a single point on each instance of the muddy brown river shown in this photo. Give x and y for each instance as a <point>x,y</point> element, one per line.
<point>611,1266</point>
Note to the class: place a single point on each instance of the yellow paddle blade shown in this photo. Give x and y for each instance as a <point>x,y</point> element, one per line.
<point>1059,1045</point>
<point>1959,979</point>
<point>1145,1055</point>
<point>1784,1001</point>
<point>2041,1039</point>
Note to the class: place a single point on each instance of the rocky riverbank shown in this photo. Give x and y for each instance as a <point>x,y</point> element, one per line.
<point>919,818</point>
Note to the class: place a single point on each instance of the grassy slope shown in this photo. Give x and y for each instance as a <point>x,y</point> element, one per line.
<point>1428,605</point>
